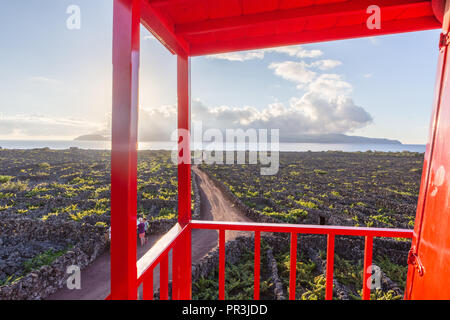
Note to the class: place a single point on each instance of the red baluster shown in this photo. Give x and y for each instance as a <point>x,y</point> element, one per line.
<point>257,264</point>
<point>164,278</point>
<point>293,269</point>
<point>147,290</point>
<point>221,264</point>
<point>367,272</point>
<point>330,266</point>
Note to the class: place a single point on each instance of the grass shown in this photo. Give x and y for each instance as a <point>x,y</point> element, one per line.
<point>239,280</point>
<point>4,179</point>
<point>395,272</point>
<point>15,186</point>
<point>10,280</point>
<point>42,259</point>
<point>310,284</point>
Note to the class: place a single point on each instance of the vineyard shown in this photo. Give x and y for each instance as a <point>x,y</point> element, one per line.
<point>73,186</point>
<point>370,189</point>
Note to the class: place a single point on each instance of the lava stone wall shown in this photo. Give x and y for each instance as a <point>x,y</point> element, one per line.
<point>87,242</point>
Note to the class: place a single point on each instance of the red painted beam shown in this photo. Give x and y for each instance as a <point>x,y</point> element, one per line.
<point>222,265</point>
<point>257,272</point>
<point>367,272</point>
<point>162,29</point>
<point>147,290</point>
<point>182,262</point>
<point>301,228</point>
<point>330,267</point>
<point>312,36</point>
<point>126,38</point>
<point>298,14</point>
<point>164,278</point>
<point>293,266</point>
<point>184,126</point>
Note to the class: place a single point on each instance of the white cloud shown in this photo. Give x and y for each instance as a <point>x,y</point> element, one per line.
<point>294,71</point>
<point>331,86</point>
<point>238,56</point>
<point>326,106</point>
<point>326,64</point>
<point>313,113</point>
<point>296,51</point>
<point>327,85</point>
<point>292,51</point>
<point>300,73</point>
<point>33,125</point>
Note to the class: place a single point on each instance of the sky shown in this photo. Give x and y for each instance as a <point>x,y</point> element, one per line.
<point>56,83</point>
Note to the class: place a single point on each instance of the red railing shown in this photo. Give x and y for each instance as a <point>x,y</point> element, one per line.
<point>294,230</point>
<point>159,254</point>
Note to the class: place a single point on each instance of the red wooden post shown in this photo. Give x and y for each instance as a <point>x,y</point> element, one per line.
<point>186,284</point>
<point>330,267</point>
<point>184,127</point>
<point>257,264</point>
<point>182,264</point>
<point>176,274</point>
<point>367,272</point>
<point>164,278</point>
<point>147,286</point>
<point>124,148</point>
<point>293,266</point>
<point>221,264</point>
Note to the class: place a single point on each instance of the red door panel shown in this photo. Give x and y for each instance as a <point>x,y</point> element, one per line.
<point>429,269</point>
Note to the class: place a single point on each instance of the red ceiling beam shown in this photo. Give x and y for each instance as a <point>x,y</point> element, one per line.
<point>162,29</point>
<point>325,10</point>
<point>311,36</point>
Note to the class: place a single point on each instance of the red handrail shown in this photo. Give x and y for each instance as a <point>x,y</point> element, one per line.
<point>159,254</point>
<point>294,230</point>
<point>301,228</point>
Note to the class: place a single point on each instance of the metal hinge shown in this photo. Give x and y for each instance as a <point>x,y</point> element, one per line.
<point>413,259</point>
<point>443,41</point>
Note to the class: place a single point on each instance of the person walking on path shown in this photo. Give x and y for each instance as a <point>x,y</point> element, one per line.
<point>147,227</point>
<point>141,231</point>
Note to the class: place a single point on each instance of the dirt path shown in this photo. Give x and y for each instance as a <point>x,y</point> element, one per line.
<point>95,279</point>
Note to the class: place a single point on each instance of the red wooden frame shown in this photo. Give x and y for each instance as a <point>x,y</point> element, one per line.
<point>178,234</point>
<point>196,27</point>
<point>429,256</point>
<point>124,148</point>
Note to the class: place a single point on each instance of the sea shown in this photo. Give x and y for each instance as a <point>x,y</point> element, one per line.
<point>170,145</point>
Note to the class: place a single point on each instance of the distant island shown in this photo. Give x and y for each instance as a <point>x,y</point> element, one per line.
<point>337,138</point>
<point>310,138</point>
<point>329,138</point>
<point>92,137</point>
